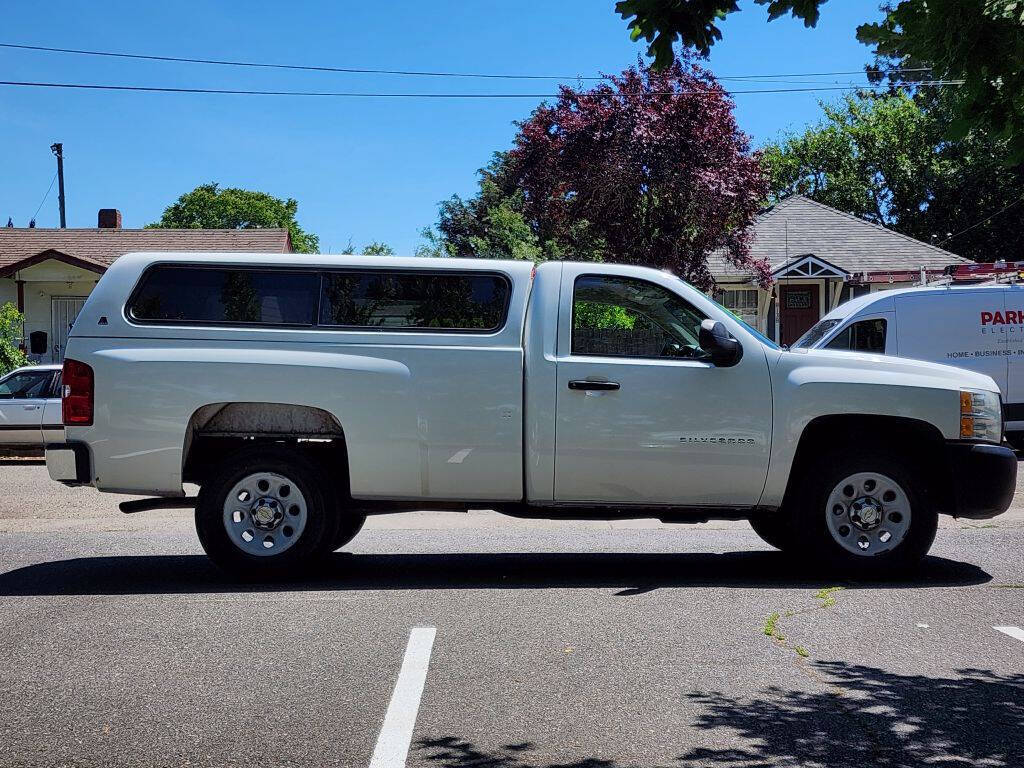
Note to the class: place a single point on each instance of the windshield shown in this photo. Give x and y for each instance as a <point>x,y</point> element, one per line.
<point>817,333</point>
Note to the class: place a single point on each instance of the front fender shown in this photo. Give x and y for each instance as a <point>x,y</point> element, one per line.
<point>808,387</point>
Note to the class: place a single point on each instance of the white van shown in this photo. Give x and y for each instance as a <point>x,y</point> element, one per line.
<point>980,328</point>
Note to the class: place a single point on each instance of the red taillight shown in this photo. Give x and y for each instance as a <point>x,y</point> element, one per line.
<point>77,397</point>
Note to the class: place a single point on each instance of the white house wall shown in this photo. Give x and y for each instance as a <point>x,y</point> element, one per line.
<point>44,281</point>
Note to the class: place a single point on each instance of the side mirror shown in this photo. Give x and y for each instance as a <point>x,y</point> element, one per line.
<point>724,350</point>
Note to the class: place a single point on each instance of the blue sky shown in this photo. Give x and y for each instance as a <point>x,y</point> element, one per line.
<point>365,169</point>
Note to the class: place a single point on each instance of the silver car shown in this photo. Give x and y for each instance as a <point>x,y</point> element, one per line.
<point>30,410</point>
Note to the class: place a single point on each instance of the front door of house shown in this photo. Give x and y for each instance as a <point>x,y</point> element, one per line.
<point>800,310</point>
<point>63,311</point>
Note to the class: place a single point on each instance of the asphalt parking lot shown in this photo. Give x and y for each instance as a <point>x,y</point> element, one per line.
<point>475,640</point>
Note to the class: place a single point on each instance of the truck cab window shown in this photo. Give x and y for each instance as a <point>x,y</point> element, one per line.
<point>863,336</point>
<point>626,317</point>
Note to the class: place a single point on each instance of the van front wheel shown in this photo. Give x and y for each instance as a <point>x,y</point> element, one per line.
<point>263,514</point>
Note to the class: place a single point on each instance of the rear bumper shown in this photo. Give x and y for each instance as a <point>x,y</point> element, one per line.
<point>984,478</point>
<point>68,463</point>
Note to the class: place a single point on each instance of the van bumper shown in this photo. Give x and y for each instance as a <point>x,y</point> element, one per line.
<point>984,478</point>
<point>68,463</point>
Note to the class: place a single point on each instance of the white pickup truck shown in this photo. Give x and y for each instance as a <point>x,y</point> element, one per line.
<point>302,393</point>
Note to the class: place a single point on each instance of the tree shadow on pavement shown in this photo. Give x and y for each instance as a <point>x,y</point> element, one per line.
<point>860,717</point>
<point>630,573</point>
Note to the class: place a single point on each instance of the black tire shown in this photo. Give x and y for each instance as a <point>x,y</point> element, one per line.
<point>775,529</point>
<point>348,526</point>
<point>319,521</point>
<point>811,522</point>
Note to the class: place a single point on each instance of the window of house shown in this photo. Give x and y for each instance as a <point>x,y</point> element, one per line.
<point>742,302</point>
<point>197,294</point>
<point>626,317</point>
<point>450,301</point>
<point>863,336</point>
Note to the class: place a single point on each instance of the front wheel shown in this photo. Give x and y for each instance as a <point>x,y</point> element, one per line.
<point>263,514</point>
<point>866,515</point>
<point>775,529</point>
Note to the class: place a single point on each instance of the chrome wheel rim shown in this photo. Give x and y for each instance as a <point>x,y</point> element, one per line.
<point>868,514</point>
<point>265,514</point>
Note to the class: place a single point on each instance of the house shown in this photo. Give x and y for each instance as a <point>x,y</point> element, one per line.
<point>820,257</point>
<point>48,273</point>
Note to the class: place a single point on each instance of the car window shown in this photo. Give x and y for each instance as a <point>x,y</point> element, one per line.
<point>862,336</point>
<point>626,317</point>
<point>55,390</point>
<point>26,385</point>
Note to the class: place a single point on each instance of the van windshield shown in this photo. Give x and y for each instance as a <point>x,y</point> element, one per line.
<point>817,332</point>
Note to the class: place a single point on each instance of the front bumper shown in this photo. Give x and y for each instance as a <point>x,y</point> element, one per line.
<point>984,478</point>
<point>68,463</point>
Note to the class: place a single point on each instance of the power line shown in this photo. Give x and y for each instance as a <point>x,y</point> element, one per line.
<point>384,95</point>
<point>44,197</point>
<point>402,72</point>
<point>983,221</point>
<point>302,67</point>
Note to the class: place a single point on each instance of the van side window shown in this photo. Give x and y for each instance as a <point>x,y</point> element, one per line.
<point>626,317</point>
<point>450,301</point>
<point>863,336</point>
<point>196,294</point>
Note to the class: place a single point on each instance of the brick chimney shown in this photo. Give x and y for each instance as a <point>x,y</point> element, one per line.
<point>109,218</point>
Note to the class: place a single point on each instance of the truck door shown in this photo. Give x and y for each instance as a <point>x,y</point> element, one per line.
<point>641,417</point>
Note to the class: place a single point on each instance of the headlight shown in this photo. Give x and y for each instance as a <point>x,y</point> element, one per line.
<point>981,416</point>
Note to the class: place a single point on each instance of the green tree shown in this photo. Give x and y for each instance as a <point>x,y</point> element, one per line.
<point>11,324</point>
<point>884,158</point>
<point>210,207</point>
<point>378,249</point>
<point>977,43</point>
<point>489,225</point>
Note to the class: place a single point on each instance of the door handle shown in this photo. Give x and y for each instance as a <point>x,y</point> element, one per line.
<point>599,386</point>
<point>30,407</point>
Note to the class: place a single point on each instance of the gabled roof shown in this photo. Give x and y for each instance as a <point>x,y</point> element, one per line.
<point>798,226</point>
<point>808,265</point>
<point>96,249</point>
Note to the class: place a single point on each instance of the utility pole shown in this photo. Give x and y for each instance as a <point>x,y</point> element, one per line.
<point>58,150</point>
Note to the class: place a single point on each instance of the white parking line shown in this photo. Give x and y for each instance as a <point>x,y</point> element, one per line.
<point>1015,632</point>
<point>396,734</point>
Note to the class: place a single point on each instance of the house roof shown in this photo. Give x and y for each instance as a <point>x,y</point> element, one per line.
<point>798,226</point>
<point>96,249</point>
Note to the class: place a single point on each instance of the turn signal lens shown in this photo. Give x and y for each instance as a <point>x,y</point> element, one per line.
<point>981,416</point>
<point>77,399</point>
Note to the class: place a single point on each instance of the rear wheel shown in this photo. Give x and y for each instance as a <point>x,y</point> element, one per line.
<point>865,514</point>
<point>263,514</point>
